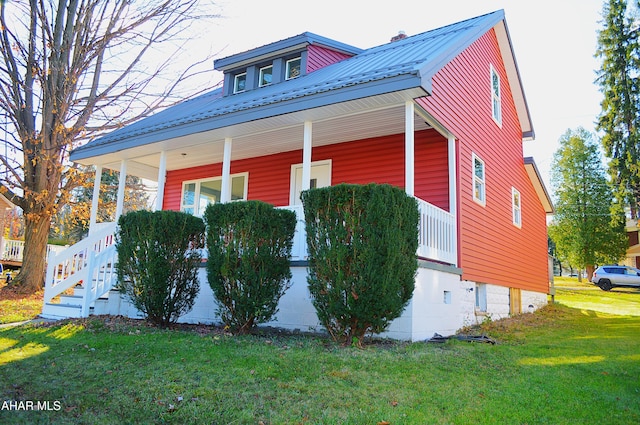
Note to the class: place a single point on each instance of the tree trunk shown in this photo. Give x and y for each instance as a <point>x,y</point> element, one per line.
<point>32,273</point>
<point>590,269</point>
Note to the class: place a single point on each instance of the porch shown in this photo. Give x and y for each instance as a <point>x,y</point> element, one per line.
<point>12,250</point>
<point>80,277</point>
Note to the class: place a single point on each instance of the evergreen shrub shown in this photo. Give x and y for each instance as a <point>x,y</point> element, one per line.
<point>248,267</point>
<point>362,242</point>
<point>158,260</point>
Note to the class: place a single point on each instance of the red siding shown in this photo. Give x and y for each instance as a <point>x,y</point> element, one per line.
<point>319,57</point>
<point>379,160</point>
<point>492,249</point>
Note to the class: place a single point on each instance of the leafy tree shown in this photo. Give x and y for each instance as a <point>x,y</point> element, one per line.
<point>72,221</point>
<point>70,70</point>
<point>158,261</point>
<point>619,121</point>
<point>588,227</point>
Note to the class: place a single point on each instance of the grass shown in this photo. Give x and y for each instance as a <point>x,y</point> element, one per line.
<point>18,308</point>
<point>560,365</point>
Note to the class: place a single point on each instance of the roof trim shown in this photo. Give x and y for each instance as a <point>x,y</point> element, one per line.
<point>538,184</point>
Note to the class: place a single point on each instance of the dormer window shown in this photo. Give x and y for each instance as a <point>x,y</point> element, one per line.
<point>240,83</point>
<point>293,68</point>
<point>266,76</point>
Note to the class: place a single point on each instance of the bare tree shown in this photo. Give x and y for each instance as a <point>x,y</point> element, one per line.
<point>71,70</point>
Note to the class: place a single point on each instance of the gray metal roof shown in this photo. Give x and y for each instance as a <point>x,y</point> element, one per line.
<point>406,64</point>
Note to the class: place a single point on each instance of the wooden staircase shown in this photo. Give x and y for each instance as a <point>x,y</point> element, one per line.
<point>79,279</point>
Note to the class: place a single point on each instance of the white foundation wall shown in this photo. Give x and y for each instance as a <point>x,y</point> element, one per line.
<point>531,301</point>
<point>442,303</point>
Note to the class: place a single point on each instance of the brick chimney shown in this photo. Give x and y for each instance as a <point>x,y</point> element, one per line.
<point>400,36</point>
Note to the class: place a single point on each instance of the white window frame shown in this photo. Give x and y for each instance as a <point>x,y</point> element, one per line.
<point>198,182</point>
<point>287,73</point>
<point>236,79</point>
<point>478,181</point>
<point>261,74</point>
<point>516,207</point>
<point>496,97</point>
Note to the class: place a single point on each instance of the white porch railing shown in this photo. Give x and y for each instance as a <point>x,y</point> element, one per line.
<point>13,250</point>
<point>436,237</point>
<point>437,234</point>
<point>299,250</point>
<point>90,262</point>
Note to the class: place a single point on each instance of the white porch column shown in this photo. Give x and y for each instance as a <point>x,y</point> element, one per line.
<point>94,201</point>
<point>162,178</point>
<point>306,155</point>
<point>409,148</point>
<point>225,191</point>
<point>121,186</point>
<point>453,188</point>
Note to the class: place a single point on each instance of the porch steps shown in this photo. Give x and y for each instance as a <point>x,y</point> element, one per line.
<point>70,306</point>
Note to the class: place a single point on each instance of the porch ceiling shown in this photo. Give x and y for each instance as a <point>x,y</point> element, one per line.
<point>353,120</point>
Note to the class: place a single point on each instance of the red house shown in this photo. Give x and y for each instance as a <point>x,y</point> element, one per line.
<point>441,114</point>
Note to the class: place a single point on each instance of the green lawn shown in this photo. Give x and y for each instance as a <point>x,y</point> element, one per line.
<point>561,365</point>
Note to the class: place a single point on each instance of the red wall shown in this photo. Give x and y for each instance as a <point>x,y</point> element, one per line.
<point>492,249</point>
<point>319,57</point>
<point>379,160</point>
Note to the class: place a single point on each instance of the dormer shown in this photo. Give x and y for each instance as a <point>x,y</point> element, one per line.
<point>283,60</point>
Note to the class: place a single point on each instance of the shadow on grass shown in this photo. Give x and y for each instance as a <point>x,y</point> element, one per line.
<point>559,365</point>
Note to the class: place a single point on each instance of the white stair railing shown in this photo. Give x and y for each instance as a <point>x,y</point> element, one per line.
<point>90,262</point>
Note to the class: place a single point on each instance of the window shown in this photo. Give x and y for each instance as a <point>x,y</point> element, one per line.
<point>516,207</point>
<point>478,181</point>
<point>496,103</point>
<point>266,76</point>
<point>240,83</point>
<point>481,297</point>
<point>293,69</point>
<point>196,195</point>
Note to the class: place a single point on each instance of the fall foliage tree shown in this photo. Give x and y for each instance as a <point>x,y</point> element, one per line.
<point>69,71</point>
<point>71,223</point>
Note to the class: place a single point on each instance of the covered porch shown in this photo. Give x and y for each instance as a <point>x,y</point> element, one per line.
<point>91,261</point>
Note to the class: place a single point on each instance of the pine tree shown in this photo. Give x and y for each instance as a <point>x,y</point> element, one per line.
<point>588,227</point>
<point>619,49</point>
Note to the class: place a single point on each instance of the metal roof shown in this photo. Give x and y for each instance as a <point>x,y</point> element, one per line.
<point>406,64</point>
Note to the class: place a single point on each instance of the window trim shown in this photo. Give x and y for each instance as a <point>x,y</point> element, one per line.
<point>198,182</point>
<point>516,210</point>
<point>287,70</point>
<point>474,178</point>
<point>261,73</point>
<point>496,98</point>
<point>235,82</point>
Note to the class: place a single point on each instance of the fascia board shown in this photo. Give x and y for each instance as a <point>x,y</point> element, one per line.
<point>330,97</point>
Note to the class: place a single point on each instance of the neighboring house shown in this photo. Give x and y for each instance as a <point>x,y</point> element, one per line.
<point>633,252</point>
<point>5,206</point>
<point>441,114</point>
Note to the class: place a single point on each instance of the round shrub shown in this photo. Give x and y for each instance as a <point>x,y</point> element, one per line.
<point>362,242</point>
<point>248,266</point>
<point>159,254</point>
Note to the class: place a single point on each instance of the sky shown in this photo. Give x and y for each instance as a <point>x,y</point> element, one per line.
<point>554,43</point>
